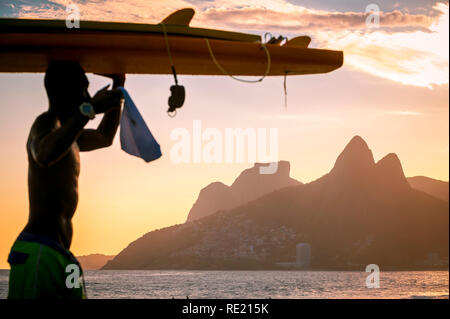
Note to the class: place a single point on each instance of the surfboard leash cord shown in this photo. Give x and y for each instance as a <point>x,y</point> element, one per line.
<point>178,93</point>
<point>269,62</point>
<point>215,60</point>
<point>172,66</point>
<point>263,45</point>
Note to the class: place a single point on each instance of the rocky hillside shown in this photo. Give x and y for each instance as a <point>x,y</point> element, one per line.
<point>248,186</point>
<point>361,212</point>
<point>430,186</point>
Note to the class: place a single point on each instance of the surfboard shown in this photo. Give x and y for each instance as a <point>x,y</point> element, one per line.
<point>27,45</point>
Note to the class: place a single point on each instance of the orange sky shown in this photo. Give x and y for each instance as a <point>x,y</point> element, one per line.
<point>392,91</point>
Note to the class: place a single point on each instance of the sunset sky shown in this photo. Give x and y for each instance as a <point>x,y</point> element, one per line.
<point>392,90</point>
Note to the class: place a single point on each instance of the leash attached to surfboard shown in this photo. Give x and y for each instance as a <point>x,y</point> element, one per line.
<point>178,93</point>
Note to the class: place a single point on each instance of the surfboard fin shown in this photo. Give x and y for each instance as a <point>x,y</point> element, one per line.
<point>299,42</point>
<point>180,17</point>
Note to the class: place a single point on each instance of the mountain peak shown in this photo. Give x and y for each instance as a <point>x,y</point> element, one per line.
<point>355,158</point>
<point>253,173</point>
<point>391,164</point>
<point>358,140</point>
<point>390,168</point>
<point>357,144</point>
<point>391,159</point>
<point>249,185</point>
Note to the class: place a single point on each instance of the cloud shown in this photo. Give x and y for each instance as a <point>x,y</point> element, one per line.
<point>140,11</point>
<point>414,58</point>
<point>306,20</point>
<point>403,113</point>
<point>255,14</point>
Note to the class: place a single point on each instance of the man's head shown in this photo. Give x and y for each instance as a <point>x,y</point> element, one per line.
<point>66,85</point>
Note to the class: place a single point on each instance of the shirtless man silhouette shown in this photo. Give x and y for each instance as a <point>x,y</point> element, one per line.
<point>40,256</point>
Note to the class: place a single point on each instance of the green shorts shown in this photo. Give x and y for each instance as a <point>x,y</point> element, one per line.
<point>42,268</point>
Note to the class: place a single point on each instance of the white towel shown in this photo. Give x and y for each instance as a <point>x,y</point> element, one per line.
<point>135,137</point>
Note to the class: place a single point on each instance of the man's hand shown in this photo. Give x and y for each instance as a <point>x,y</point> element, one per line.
<point>103,136</point>
<point>118,79</point>
<point>105,100</point>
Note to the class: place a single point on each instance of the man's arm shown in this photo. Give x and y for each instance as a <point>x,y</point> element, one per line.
<point>103,136</point>
<point>49,143</point>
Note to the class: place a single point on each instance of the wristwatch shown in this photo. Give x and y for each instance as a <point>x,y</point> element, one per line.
<point>87,110</point>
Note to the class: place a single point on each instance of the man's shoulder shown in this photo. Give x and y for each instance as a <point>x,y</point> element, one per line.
<point>45,117</point>
<point>44,121</point>
<point>43,124</point>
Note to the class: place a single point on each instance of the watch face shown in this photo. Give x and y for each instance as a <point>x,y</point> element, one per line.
<point>87,110</point>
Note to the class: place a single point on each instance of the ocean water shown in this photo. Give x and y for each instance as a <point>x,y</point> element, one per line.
<point>258,284</point>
